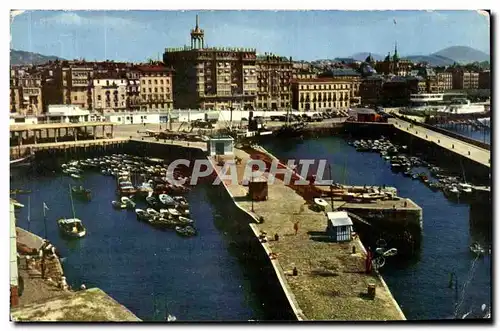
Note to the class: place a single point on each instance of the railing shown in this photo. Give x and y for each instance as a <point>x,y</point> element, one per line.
<point>447,133</point>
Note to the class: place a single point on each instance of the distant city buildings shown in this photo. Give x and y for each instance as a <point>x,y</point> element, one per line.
<point>202,77</point>
<point>25,93</point>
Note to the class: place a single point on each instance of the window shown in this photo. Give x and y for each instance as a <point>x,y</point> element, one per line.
<point>143,90</point>
<point>149,81</point>
<point>107,83</point>
<point>161,89</point>
<point>123,96</point>
<point>156,89</point>
<point>99,97</point>
<point>150,90</point>
<point>156,81</point>
<point>76,98</point>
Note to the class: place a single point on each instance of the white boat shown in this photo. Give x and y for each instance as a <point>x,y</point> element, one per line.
<point>174,212</point>
<point>453,190</point>
<point>142,215</point>
<point>71,227</point>
<point>153,212</point>
<point>465,188</point>
<point>128,202</point>
<point>477,249</point>
<point>166,199</point>
<point>75,176</point>
<point>118,204</point>
<point>185,221</point>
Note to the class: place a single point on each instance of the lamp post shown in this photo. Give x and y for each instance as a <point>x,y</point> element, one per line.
<point>331,186</point>
<point>251,191</point>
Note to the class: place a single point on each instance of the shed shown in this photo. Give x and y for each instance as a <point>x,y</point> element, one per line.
<point>339,226</point>
<point>257,189</point>
<point>222,145</point>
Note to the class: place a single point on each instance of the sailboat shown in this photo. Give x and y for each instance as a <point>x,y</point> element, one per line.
<point>71,227</point>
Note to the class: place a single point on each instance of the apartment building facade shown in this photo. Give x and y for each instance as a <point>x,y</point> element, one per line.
<point>25,93</point>
<point>320,94</point>
<point>274,76</point>
<point>212,78</point>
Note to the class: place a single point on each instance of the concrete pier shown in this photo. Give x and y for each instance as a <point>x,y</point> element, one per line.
<point>331,283</point>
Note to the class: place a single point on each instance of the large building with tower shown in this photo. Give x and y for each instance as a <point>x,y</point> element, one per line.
<point>212,78</point>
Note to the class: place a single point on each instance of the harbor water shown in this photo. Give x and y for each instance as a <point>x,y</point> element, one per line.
<point>483,135</point>
<point>420,284</point>
<point>207,277</point>
<point>150,271</point>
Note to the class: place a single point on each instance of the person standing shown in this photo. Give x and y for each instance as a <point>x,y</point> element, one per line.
<point>296,227</point>
<point>368,261</point>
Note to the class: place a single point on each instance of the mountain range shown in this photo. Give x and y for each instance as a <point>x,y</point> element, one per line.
<point>22,58</point>
<point>444,57</point>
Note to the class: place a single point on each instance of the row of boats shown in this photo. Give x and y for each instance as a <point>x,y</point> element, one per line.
<point>166,207</point>
<point>399,161</point>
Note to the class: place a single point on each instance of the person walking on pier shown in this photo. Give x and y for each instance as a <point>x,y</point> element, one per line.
<point>296,227</point>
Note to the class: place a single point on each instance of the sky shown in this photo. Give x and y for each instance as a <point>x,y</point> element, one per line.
<point>304,35</point>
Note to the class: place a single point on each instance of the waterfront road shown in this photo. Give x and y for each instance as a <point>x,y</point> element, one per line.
<point>475,153</point>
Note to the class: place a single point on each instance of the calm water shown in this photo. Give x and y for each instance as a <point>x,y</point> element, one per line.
<point>148,270</point>
<point>419,286</point>
<point>482,135</point>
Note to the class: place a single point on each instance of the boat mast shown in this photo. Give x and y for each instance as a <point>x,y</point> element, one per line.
<point>71,198</point>
<point>29,211</point>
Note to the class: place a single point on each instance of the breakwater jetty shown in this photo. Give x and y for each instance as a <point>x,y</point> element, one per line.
<point>322,280</point>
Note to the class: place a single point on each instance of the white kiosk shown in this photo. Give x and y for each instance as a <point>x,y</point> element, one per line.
<point>222,145</point>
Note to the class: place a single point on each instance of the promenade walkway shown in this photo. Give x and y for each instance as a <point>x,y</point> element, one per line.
<point>467,150</point>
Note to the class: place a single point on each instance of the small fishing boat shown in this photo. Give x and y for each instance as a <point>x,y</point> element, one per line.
<point>477,249</point>
<point>153,212</point>
<point>465,188</point>
<point>184,221</point>
<point>187,231</point>
<point>184,212</point>
<point>71,227</point>
<point>151,201</point>
<point>173,212</point>
<point>82,192</point>
<point>127,202</point>
<point>396,166</point>
<point>76,176</point>
<point>166,200</point>
<point>142,215</point>
<point>118,204</point>
<point>182,201</point>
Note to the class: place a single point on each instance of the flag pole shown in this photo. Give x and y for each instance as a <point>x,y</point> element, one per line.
<point>44,220</point>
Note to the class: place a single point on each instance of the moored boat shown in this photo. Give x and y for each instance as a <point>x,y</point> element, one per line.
<point>187,231</point>
<point>118,204</point>
<point>82,192</point>
<point>71,227</point>
<point>184,221</point>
